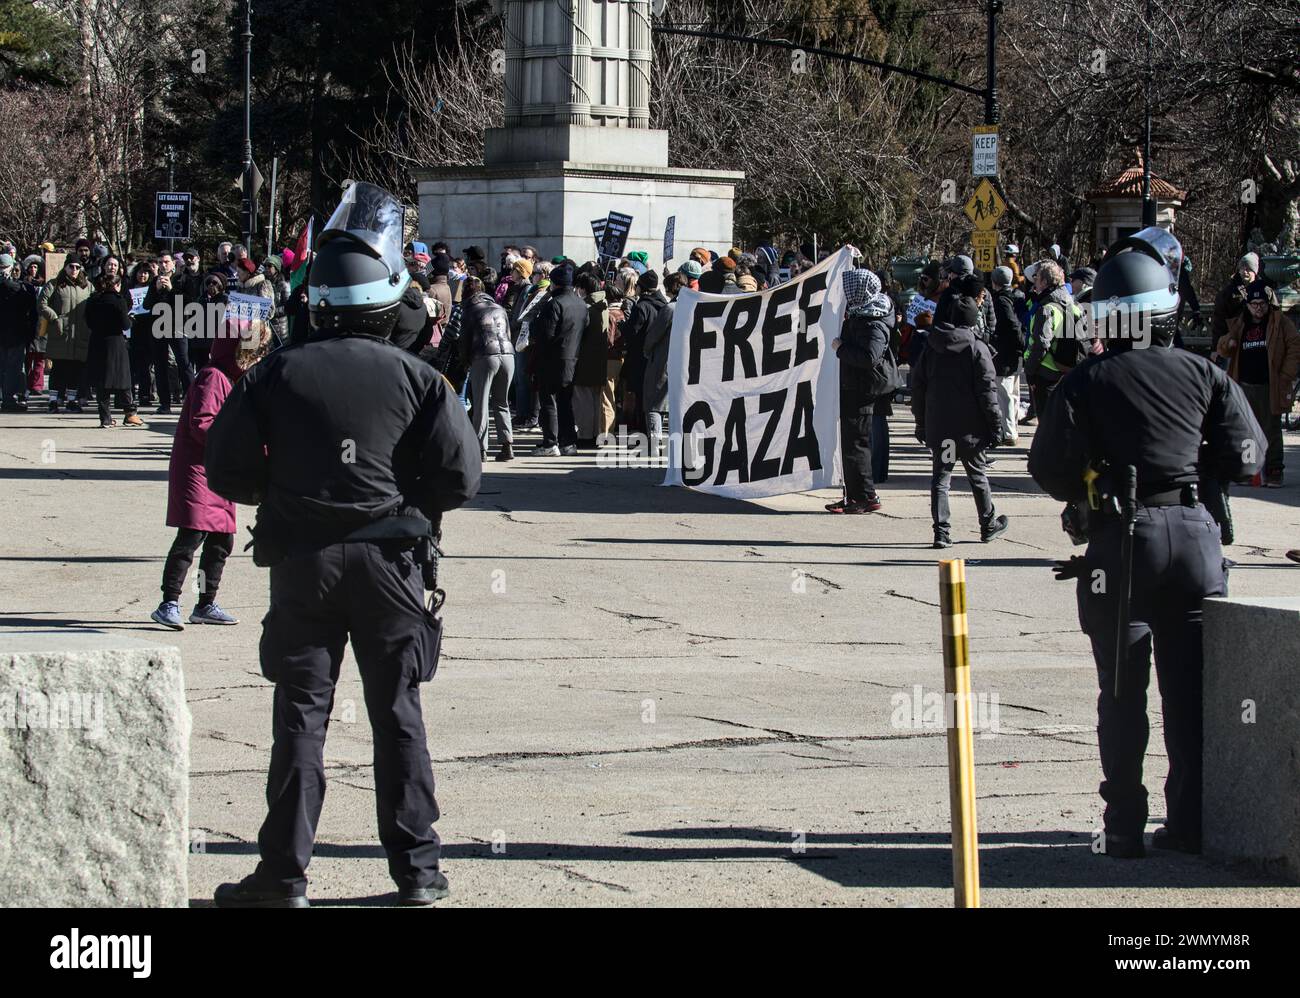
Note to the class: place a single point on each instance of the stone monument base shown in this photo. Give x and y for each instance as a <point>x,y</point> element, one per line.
<point>94,772</point>
<point>551,206</point>
<point>1251,811</point>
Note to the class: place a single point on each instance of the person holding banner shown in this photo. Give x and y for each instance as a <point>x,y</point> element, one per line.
<point>868,370</point>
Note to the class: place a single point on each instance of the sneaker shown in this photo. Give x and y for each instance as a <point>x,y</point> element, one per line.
<point>541,450</point>
<point>169,615</point>
<point>105,424</point>
<point>871,504</point>
<point>996,528</point>
<point>507,453</point>
<point>1163,838</point>
<point>569,450</point>
<point>163,410</point>
<point>74,406</point>
<point>54,405</point>
<point>941,541</point>
<point>1273,480</point>
<point>410,897</point>
<point>210,613</point>
<point>837,506</point>
<point>133,420</point>
<point>248,893</point>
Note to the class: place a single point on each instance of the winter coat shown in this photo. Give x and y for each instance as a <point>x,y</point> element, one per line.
<point>108,356</point>
<point>1008,340</point>
<point>200,343</point>
<point>414,329</point>
<point>594,350</point>
<point>557,331</point>
<point>616,348</point>
<point>654,386</point>
<point>868,367</point>
<point>63,305</point>
<point>955,391</point>
<point>1283,345</point>
<point>1051,314</point>
<point>17,314</point>
<point>484,329</point>
<point>635,326</point>
<point>190,503</point>
<point>1230,303</point>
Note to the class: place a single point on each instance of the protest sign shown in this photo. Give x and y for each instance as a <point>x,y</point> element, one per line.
<point>753,387</point>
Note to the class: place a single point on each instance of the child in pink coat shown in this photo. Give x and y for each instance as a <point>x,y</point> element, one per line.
<point>201,517</point>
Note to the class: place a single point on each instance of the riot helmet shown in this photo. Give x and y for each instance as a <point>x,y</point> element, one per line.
<point>1136,290</point>
<point>358,275</point>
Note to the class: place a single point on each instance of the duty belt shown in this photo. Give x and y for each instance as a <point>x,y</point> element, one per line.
<point>1183,495</point>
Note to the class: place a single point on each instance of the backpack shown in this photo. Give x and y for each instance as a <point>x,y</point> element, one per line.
<point>1068,351</point>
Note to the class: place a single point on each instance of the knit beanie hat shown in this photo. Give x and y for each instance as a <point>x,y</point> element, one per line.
<point>965,312</point>
<point>1250,260</point>
<point>1002,277</point>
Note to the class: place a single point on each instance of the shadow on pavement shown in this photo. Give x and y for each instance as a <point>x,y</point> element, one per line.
<point>858,859</point>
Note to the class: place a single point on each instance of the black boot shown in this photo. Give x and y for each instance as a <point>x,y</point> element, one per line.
<point>248,893</point>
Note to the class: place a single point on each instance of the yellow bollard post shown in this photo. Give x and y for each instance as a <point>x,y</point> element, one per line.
<point>961,742</point>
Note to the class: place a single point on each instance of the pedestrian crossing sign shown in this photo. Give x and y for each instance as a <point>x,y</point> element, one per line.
<point>985,207</point>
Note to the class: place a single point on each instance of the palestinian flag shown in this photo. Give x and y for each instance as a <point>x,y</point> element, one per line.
<point>300,251</point>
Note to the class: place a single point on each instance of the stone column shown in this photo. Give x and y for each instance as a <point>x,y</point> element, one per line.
<point>639,54</point>
<point>515,45</point>
<point>576,60</point>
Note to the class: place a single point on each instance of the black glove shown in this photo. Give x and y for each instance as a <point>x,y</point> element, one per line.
<point>1073,568</point>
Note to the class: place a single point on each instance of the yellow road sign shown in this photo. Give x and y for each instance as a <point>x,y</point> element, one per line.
<point>985,245</point>
<point>985,206</point>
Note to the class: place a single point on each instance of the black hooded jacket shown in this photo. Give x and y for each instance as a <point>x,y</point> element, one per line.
<point>331,434</point>
<point>955,392</point>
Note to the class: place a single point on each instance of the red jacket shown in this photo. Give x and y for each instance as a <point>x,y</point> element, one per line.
<point>190,503</point>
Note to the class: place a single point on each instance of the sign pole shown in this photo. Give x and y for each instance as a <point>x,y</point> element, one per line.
<point>171,186</point>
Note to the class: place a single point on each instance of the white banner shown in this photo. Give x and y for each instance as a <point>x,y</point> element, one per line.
<point>753,387</point>
<point>248,307</point>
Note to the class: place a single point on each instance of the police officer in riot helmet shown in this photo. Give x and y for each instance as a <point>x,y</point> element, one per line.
<point>352,449</point>
<point>1124,440</point>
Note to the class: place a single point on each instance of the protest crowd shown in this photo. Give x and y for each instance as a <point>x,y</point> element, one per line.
<point>578,352</point>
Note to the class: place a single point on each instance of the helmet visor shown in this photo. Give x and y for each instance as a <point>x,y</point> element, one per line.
<point>1163,242</point>
<point>373,217</point>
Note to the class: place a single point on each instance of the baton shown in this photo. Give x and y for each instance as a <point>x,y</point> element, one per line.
<point>1129,511</point>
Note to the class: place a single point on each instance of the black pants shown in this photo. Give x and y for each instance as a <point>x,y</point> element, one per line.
<point>103,398</point>
<point>941,480</point>
<point>180,349</point>
<point>855,444</point>
<point>558,427</point>
<point>216,549</point>
<point>1177,562</point>
<point>141,351</point>
<point>373,595</point>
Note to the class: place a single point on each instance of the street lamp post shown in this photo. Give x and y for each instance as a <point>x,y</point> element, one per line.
<point>1148,204</point>
<point>248,223</point>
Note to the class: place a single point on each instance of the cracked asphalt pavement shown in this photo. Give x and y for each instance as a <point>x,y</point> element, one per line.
<point>651,696</point>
